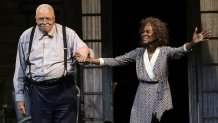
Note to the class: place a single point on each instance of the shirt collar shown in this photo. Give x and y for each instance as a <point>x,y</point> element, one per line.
<point>50,34</point>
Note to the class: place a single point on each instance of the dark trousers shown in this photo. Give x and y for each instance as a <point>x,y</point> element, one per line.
<point>55,103</point>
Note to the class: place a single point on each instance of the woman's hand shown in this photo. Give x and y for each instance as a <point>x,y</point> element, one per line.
<point>202,36</point>
<point>198,37</point>
<point>86,60</point>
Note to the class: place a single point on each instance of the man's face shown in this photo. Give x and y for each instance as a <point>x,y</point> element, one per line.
<point>45,19</point>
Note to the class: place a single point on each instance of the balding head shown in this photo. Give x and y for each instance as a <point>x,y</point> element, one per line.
<point>43,7</point>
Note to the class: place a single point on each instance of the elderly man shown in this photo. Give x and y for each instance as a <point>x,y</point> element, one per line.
<point>44,59</point>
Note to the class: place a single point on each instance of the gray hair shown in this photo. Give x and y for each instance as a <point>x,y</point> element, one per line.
<point>47,6</point>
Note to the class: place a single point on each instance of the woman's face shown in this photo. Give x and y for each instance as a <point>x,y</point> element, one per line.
<point>147,35</point>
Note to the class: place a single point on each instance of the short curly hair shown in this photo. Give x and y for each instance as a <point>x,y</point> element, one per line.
<point>159,28</point>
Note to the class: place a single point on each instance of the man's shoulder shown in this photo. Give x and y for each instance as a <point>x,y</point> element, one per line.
<point>27,32</point>
<point>59,27</point>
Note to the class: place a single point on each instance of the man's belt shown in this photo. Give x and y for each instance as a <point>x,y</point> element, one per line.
<point>52,82</point>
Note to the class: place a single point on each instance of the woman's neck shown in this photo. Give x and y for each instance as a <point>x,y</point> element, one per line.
<point>151,48</point>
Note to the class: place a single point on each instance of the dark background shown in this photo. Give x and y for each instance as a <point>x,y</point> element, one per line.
<point>126,16</point>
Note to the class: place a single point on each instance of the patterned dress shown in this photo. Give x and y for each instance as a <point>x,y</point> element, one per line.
<point>151,96</point>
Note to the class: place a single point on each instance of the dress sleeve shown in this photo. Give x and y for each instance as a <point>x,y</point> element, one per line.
<point>176,52</point>
<point>123,59</point>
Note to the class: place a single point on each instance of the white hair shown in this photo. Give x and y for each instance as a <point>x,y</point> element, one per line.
<point>47,6</point>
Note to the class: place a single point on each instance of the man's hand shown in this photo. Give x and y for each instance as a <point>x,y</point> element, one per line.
<point>80,58</point>
<point>21,108</point>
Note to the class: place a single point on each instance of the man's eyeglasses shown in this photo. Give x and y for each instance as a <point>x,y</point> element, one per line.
<point>47,19</point>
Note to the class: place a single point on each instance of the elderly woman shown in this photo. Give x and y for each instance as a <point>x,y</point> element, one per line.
<point>153,96</point>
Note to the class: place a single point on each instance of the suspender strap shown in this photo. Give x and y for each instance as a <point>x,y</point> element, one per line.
<point>31,40</point>
<point>65,47</point>
<point>29,49</point>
